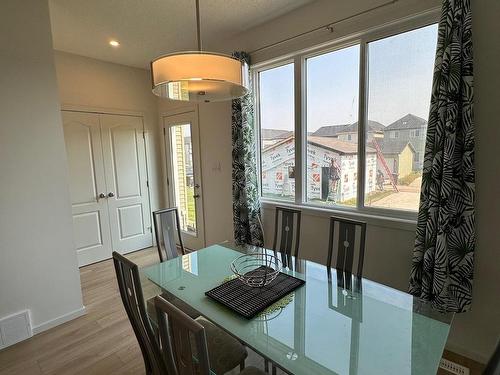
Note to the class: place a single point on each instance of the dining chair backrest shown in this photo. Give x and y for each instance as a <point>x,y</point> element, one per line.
<point>183,340</point>
<point>168,233</point>
<point>346,246</point>
<point>493,365</point>
<point>129,284</point>
<point>287,232</point>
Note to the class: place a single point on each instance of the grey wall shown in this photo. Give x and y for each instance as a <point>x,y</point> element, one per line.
<point>90,84</point>
<point>38,266</point>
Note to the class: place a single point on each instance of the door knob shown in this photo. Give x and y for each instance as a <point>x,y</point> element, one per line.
<point>110,194</point>
<point>102,196</point>
<point>196,196</point>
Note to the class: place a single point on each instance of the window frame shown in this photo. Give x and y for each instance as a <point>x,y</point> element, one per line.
<point>298,58</point>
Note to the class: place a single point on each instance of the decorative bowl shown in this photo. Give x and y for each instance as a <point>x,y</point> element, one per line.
<point>257,269</point>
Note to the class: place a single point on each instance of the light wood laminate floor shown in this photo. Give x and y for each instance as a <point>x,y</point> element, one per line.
<point>102,341</point>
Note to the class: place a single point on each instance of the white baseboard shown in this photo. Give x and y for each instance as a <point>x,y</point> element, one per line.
<point>59,320</point>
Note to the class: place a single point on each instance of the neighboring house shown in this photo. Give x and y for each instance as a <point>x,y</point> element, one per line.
<point>188,160</point>
<point>329,131</point>
<point>272,136</point>
<point>331,169</point>
<point>398,155</point>
<point>413,129</point>
<point>350,132</point>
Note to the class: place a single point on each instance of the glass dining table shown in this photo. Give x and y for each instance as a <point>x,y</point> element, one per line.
<point>325,327</point>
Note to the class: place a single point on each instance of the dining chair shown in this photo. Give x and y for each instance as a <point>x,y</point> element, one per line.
<point>129,284</point>
<point>196,346</point>
<point>346,248</point>
<point>493,365</point>
<point>168,233</point>
<point>287,233</point>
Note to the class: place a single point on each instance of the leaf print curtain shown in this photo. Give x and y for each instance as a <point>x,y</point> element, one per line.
<point>442,265</point>
<point>246,199</point>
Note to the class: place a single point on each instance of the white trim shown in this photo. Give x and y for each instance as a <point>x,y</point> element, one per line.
<point>326,212</point>
<point>100,110</point>
<point>59,320</point>
<point>362,123</point>
<point>299,118</point>
<point>179,111</point>
<point>190,112</point>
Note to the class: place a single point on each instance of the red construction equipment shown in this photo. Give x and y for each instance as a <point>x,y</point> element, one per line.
<point>384,164</point>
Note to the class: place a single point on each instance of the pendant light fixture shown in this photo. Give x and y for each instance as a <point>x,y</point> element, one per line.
<point>198,76</point>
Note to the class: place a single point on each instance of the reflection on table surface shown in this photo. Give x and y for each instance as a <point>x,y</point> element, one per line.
<point>334,324</point>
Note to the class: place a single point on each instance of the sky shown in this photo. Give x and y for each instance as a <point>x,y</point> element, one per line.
<point>399,78</point>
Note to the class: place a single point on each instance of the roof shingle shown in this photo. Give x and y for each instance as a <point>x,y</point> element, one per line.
<point>337,145</point>
<point>407,122</point>
<point>275,133</point>
<point>373,126</point>
<point>329,131</point>
<point>394,146</point>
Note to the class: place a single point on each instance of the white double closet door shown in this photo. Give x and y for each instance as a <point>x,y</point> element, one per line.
<point>108,184</point>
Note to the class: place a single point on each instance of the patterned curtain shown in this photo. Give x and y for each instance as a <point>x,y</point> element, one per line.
<point>246,199</point>
<point>443,257</point>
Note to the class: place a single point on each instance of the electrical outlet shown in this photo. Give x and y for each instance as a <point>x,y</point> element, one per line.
<point>453,367</point>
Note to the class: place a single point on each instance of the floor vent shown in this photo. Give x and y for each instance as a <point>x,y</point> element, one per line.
<point>453,367</point>
<point>15,328</point>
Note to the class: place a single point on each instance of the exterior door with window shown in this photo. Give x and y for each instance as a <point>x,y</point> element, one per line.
<point>181,137</point>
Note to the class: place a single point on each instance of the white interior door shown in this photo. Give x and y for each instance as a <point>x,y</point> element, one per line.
<point>86,181</point>
<point>127,193</point>
<point>184,175</point>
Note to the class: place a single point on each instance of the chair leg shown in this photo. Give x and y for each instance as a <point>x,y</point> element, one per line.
<point>242,365</point>
<point>274,369</point>
<point>266,365</point>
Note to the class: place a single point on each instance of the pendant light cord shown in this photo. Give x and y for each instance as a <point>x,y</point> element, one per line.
<point>198,32</point>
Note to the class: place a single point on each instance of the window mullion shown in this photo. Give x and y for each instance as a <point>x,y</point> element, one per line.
<point>257,128</point>
<point>300,134</point>
<point>362,123</point>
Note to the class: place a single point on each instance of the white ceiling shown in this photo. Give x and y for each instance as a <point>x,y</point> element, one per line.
<point>148,28</point>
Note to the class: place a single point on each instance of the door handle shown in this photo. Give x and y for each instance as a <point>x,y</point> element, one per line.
<point>101,196</point>
<point>111,194</point>
<point>196,196</point>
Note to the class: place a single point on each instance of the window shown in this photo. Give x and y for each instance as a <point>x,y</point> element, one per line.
<point>332,113</point>
<point>276,113</point>
<point>392,96</point>
<point>415,133</point>
<point>400,70</point>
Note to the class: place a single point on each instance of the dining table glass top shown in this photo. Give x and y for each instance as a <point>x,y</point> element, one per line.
<point>326,327</point>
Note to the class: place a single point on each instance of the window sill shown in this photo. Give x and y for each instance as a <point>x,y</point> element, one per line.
<point>375,219</point>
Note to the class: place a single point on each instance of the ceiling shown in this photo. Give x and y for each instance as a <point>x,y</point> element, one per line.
<point>149,28</point>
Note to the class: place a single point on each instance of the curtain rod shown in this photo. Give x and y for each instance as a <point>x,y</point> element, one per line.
<point>328,26</point>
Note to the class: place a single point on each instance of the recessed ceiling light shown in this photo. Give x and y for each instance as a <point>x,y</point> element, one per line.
<point>114,43</point>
